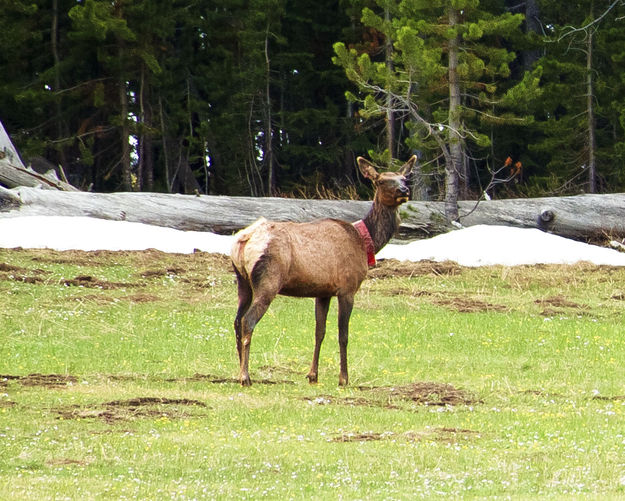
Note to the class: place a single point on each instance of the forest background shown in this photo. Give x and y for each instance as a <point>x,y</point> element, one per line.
<point>277,97</point>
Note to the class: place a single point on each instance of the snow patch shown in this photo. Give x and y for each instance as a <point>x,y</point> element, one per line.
<point>473,246</point>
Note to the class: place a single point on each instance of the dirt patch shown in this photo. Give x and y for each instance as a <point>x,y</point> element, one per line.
<point>8,272</point>
<point>87,281</point>
<point>554,306</point>
<point>436,434</point>
<point>559,302</point>
<point>406,292</point>
<point>45,380</point>
<point>90,258</point>
<point>349,401</point>
<point>389,397</point>
<point>27,279</point>
<point>142,401</point>
<point>140,407</point>
<point>159,273</point>
<point>11,268</point>
<point>609,398</point>
<point>426,393</point>
<point>390,268</point>
<point>467,304</point>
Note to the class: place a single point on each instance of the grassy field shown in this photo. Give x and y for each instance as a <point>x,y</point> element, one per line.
<point>117,381</point>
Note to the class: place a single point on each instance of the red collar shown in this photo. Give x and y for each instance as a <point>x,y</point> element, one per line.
<point>367,240</point>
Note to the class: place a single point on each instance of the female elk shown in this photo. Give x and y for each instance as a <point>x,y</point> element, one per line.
<point>319,259</point>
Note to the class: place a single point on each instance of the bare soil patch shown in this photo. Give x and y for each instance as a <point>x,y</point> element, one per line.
<point>27,279</point>
<point>90,258</point>
<point>10,268</point>
<point>142,401</point>
<point>45,380</point>
<point>389,268</point>
<point>436,434</point>
<point>388,397</point>
<point>140,407</point>
<point>556,305</point>
<point>427,393</point>
<point>88,281</point>
<point>467,304</point>
<point>609,398</point>
<point>406,291</point>
<point>559,302</point>
<point>163,272</point>
<point>349,401</point>
<point>9,272</point>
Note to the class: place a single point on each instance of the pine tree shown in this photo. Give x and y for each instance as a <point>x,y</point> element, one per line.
<point>577,124</point>
<point>449,56</point>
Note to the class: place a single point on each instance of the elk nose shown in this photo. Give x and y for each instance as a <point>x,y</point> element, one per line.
<point>404,190</point>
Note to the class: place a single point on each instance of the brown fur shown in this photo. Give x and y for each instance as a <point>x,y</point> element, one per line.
<point>320,259</point>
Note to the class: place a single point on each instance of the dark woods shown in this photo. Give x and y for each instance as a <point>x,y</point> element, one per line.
<point>240,98</point>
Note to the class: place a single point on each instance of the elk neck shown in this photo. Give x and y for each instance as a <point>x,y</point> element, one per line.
<point>382,222</point>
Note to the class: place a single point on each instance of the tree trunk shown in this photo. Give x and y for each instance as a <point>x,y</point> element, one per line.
<point>590,112</point>
<point>582,216</point>
<point>390,116</point>
<point>165,152</point>
<point>268,153</point>
<point>532,24</point>
<point>54,39</point>
<point>9,152</point>
<point>125,137</point>
<point>12,176</point>
<point>143,131</point>
<point>453,164</point>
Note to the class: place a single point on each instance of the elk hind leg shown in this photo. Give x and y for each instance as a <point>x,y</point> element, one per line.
<point>245,300</point>
<point>252,316</point>
<point>322,304</point>
<point>265,284</point>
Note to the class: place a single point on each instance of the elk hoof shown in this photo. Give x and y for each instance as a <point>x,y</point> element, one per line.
<point>343,380</point>
<point>312,378</point>
<point>245,381</point>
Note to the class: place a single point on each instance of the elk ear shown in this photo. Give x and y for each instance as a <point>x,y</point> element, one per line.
<point>408,168</point>
<point>367,169</point>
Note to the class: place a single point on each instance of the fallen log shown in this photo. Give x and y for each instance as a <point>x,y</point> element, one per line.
<point>581,217</point>
<point>13,175</point>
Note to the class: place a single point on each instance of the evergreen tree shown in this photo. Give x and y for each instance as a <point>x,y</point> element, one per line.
<point>578,131</point>
<point>449,56</point>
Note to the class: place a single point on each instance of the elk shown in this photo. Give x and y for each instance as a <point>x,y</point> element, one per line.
<point>319,259</point>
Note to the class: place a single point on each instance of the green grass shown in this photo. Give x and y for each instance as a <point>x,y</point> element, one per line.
<point>118,383</point>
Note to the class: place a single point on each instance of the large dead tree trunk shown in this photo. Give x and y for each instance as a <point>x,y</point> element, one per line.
<point>13,174</point>
<point>581,217</point>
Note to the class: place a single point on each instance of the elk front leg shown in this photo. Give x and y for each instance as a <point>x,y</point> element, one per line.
<point>322,304</point>
<point>346,303</point>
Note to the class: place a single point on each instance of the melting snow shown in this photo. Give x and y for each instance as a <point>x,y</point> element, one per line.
<point>472,246</point>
